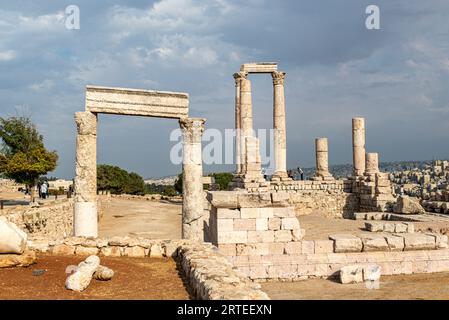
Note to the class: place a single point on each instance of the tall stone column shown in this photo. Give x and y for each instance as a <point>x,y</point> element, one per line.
<point>322,159</point>
<point>192,174</point>
<point>85,221</point>
<point>358,146</point>
<point>372,163</point>
<point>280,138</point>
<point>238,127</point>
<point>246,118</point>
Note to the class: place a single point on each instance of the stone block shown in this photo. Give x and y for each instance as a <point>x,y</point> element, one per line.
<point>86,251</point>
<point>389,227</point>
<point>244,224</point>
<point>394,243</point>
<point>293,248</point>
<point>374,243</point>
<point>410,227</point>
<point>372,272</point>
<point>224,225</point>
<point>346,243</point>
<point>224,213</point>
<point>134,252</point>
<point>261,224</point>
<point>324,246</point>
<point>233,237</point>
<point>260,236</point>
<point>284,212</point>
<point>418,241</point>
<point>289,224</point>
<point>298,234</point>
<point>258,272</point>
<point>227,249</point>
<point>111,251</point>
<point>156,251</point>
<point>351,274</point>
<point>374,226</point>
<point>249,213</point>
<point>276,248</point>
<point>400,228</point>
<point>308,247</point>
<point>266,213</point>
<point>441,241</point>
<point>274,224</point>
<point>63,250</point>
<point>283,236</point>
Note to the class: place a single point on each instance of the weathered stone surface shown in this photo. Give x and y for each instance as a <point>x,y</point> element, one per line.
<point>137,102</point>
<point>418,241</point>
<point>374,243</point>
<point>135,252</point>
<point>86,251</point>
<point>112,251</point>
<point>407,205</point>
<point>25,259</point>
<point>12,239</point>
<point>63,250</point>
<point>103,273</point>
<point>324,246</point>
<point>80,280</point>
<point>372,272</point>
<point>374,226</point>
<point>346,243</point>
<point>395,243</point>
<point>351,274</point>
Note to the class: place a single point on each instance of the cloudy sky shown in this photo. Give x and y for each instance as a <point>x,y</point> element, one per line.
<point>397,77</point>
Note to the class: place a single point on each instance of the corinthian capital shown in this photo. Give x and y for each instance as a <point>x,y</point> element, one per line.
<point>192,129</point>
<point>278,77</point>
<point>240,76</point>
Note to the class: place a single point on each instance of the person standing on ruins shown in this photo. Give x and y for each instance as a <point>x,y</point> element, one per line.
<point>44,190</point>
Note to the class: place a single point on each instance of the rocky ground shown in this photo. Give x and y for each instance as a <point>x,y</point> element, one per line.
<point>147,279</point>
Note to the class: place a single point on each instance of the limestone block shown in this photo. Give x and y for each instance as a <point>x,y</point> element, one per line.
<point>225,225</point>
<point>244,224</point>
<point>25,259</point>
<point>389,227</point>
<point>80,280</point>
<point>223,199</point>
<point>156,251</point>
<point>374,226</point>
<point>418,241</point>
<point>12,239</point>
<point>283,236</point>
<point>262,224</point>
<point>394,243</point>
<point>258,272</point>
<point>400,228</point>
<point>374,243</point>
<point>289,224</point>
<point>112,251</point>
<point>86,251</point>
<point>260,236</point>
<point>293,248</point>
<point>224,213</point>
<point>410,227</point>
<point>63,250</point>
<point>249,213</point>
<point>227,249</point>
<point>284,212</point>
<point>407,205</point>
<point>324,246</point>
<point>103,273</point>
<point>276,248</point>
<point>119,241</point>
<point>441,241</point>
<point>274,223</point>
<point>308,247</point>
<point>266,213</point>
<point>351,274</point>
<point>298,234</point>
<point>346,243</point>
<point>134,252</point>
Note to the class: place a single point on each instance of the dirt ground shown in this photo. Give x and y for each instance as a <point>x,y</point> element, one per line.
<point>143,279</point>
<point>150,219</point>
<point>403,287</point>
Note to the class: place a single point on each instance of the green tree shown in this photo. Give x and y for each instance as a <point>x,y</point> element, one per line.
<point>119,181</point>
<point>178,184</point>
<point>222,179</point>
<point>24,157</point>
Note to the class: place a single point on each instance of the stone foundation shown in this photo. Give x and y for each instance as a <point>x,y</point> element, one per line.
<point>51,220</point>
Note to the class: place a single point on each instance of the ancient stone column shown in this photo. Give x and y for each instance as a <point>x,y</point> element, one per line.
<point>372,163</point>
<point>246,118</point>
<point>238,156</point>
<point>322,158</point>
<point>192,183</point>
<point>85,221</point>
<point>358,145</point>
<point>280,139</point>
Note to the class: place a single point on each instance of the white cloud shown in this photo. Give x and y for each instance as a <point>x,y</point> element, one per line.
<point>7,55</point>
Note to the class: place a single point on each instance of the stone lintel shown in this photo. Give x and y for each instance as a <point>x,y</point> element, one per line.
<point>259,67</point>
<point>135,102</point>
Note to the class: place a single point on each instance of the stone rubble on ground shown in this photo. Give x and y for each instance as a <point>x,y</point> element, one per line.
<point>81,278</point>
